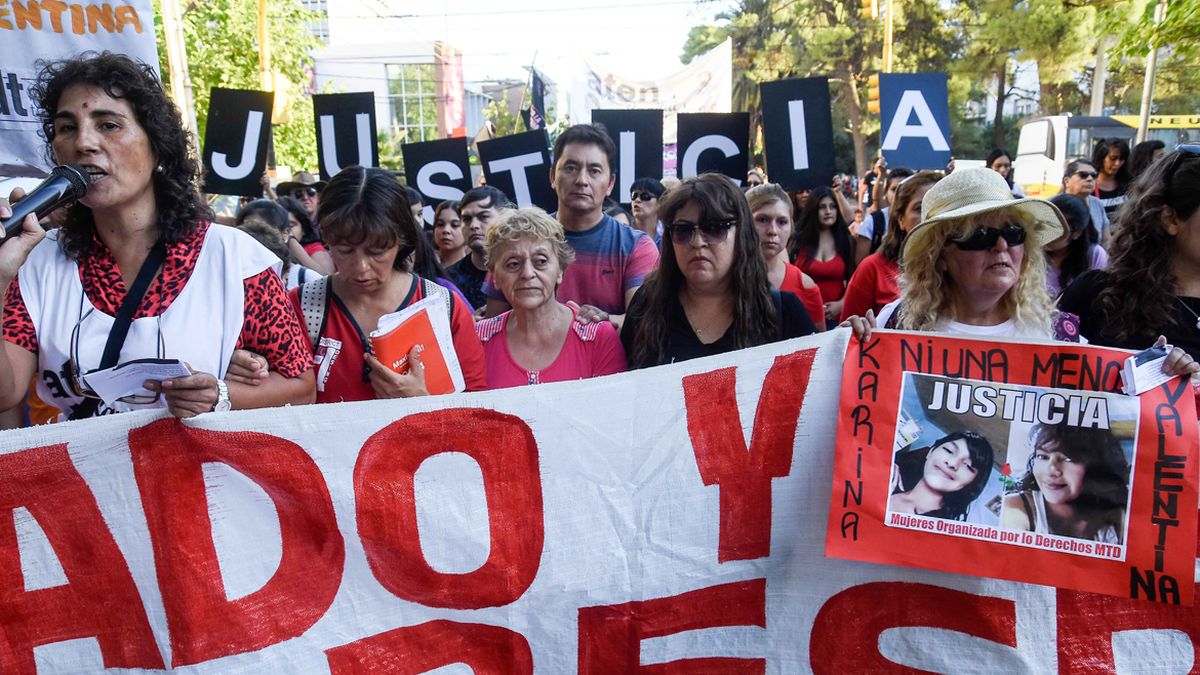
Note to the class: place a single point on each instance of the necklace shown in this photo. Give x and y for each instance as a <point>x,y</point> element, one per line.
<point>1190,311</point>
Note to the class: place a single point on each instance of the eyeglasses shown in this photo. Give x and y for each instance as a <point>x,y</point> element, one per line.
<point>77,380</point>
<point>712,232</point>
<point>301,193</point>
<point>643,196</point>
<point>1086,175</point>
<point>986,237</point>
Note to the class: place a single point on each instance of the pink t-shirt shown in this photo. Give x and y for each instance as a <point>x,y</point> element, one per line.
<point>590,350</point>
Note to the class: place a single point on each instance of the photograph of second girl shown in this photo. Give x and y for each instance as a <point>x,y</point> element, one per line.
<point>823,250</point>
<point>710,293</point>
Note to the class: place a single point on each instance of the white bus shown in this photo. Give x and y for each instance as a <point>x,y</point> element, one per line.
<point>1048,144</point>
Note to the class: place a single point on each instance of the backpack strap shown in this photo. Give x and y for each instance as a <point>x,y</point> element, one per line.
<point>436,290</point>
<point>314,300</point>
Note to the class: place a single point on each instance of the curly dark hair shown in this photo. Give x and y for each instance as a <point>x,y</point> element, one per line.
<point>808,231</point>
<point>1106,479</point>
<point>754,320</point>
<point>1141,291</point>
<point>1143,156</point>
<point>180,207</point>
<point>368,205</point>
<point>955,505</point>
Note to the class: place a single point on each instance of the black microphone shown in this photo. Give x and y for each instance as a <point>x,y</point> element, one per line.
<point>64,185</point>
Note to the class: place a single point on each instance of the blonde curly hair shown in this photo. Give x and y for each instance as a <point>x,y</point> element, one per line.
<point>927,291</point>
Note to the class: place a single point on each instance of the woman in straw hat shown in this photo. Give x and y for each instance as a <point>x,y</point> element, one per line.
<point>976,266</point>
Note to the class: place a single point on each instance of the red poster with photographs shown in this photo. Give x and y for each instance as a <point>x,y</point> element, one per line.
<point>1017,461</point>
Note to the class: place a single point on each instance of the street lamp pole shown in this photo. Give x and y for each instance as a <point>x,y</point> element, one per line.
<point>1160,13</point>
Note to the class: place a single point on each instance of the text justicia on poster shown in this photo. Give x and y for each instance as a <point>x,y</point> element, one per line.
<point>985,401</point>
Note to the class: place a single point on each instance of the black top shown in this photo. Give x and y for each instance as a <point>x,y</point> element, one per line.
<point>1080,299</point>
<point>682,342</point>
<point>469,280</point>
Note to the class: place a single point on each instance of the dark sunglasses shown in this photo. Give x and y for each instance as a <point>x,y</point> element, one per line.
<point>301,193</point>
<point>986,237</point>
<point>1086,174</point>
<point>643,196</point>
<point>712,232</point>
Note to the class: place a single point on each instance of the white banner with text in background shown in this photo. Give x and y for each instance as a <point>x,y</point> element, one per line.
<point>50,29</point>
<point>675,514</point>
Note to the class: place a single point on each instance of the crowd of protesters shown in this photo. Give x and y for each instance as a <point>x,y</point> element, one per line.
<point>277,308</point>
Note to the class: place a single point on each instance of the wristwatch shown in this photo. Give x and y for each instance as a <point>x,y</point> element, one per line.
<point>222,403</point>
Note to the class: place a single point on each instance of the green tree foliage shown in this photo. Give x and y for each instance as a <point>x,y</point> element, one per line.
<point>221,39</point>
<point>1177,81</point>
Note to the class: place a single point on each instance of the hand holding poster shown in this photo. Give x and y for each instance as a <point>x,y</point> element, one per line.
<point>1016,462</point>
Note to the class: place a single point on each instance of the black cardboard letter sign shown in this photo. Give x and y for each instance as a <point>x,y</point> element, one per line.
<point>714,143</point>
<point>346,134</point>
<point>439,170</point>
<point>235,141</point>
<point>638,135</point>
<point>519,166</point>
<point>798,132</point>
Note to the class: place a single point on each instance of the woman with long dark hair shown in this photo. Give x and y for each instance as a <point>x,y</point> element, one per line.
<point>1111,159</point>
<point>1152,284</point>
<point>1000,161</point>
<point>140,240</point>
<point>822,249</point>
<point>1144,154</point>
<point>710,293</point>
<point>1077,251</point>
<point>304,242</point>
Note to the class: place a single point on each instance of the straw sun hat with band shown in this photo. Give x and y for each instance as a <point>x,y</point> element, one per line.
<point>971,192</point>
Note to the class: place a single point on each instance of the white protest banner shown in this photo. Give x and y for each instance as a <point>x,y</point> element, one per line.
<point>32,30</point>
<point>703,86</point>
<point>669,516</point>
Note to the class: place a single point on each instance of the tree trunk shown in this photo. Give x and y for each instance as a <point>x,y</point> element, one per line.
<point>1001,95</point>
<point>855,112</point>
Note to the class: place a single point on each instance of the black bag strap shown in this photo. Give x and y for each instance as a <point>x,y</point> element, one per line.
<point>123,320</point>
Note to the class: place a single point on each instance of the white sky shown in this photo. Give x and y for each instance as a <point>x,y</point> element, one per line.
<point>499,37</point>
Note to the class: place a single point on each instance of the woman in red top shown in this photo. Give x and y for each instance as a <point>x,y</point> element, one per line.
<point>822,249</point>
<point>874,283</point>
<point>365,218</point>
<point>772,211</point>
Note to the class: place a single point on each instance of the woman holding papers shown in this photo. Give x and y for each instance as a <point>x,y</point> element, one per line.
<point>540,339</point>
<point>1076,484</point>
<point>365,219</point>
<point>138,246</point>
<point>943,479</point>
<point>710,294</point>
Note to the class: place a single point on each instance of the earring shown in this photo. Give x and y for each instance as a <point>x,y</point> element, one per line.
<point>160,168</point>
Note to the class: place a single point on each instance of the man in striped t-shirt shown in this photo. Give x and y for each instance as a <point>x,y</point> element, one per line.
<point>611,259</point>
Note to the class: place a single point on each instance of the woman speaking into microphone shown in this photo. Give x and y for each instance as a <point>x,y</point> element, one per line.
<point>137,270</point>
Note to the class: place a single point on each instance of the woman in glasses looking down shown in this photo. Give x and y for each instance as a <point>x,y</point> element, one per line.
<point>710,293</point>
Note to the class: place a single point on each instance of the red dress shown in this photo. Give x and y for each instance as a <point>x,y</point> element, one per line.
<point>873,285</point>
<point>811,297</point>
<point>830,276</point>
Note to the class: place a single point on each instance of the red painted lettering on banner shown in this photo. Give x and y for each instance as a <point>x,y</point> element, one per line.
<point>610,636</point>
<point>504,448</point>
<point>99,599</point>
<point>1086,623</point>
<point>488,650</point>
<point>744,476</point>
<point>167,459</point>
<point>845,634</point>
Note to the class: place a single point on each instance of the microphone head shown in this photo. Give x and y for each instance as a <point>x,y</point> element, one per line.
<point>76,175</point>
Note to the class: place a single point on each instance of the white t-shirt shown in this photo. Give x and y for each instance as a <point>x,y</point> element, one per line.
<point>1007,329</point>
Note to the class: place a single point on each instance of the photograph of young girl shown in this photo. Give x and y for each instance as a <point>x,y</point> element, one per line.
<point>1076,483</point>
<point>944,463</point>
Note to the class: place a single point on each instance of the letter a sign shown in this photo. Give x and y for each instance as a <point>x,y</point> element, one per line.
<point>915,124</point>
